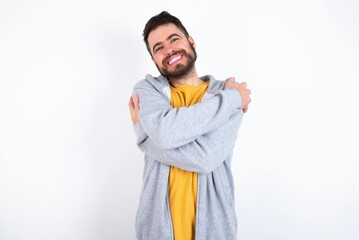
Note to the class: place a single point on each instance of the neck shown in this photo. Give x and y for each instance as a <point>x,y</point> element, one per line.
<point>190,79</point>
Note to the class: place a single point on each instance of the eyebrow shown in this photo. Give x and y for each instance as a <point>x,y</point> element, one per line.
<point>168,38</point>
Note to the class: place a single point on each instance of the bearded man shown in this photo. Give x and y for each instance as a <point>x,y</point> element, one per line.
<point>186,126</point>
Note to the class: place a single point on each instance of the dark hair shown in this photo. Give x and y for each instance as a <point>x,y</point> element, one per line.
<point>158,20</point>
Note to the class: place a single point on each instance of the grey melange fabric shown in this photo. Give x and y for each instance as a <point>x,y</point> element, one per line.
<point>199,138</point>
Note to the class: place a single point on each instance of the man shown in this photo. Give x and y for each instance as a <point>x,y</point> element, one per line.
<point>187,127</point>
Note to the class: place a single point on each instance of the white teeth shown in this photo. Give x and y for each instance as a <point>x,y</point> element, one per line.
<point>174,59</point>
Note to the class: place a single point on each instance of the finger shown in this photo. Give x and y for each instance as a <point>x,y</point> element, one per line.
<point>231,80</point>
<point>130,103</point>
<point>131,108</point>
<point>135,102</point>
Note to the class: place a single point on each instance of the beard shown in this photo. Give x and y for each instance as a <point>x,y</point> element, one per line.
<point>181,70</point>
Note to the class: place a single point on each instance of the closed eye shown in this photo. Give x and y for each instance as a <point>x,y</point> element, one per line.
<point>175,39</point>
<point>159,48</point>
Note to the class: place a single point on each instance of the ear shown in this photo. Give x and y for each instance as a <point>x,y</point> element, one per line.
<point>190,39</point>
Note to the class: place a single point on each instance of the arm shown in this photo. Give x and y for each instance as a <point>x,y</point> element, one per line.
<point>202,155</point>
<point>171,128</point>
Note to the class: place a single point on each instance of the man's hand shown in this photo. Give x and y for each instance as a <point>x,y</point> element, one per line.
<point>243,91</point>
<point>134,108</point>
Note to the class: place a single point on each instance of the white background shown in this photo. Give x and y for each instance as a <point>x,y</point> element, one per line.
<point>69,165</point>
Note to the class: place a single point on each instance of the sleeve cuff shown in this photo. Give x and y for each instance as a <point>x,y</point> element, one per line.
<point>139,130</point>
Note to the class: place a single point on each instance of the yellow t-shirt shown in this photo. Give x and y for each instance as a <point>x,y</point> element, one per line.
<point>183,184</point>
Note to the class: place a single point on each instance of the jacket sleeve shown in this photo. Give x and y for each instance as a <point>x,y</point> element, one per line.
<point>170,127</point>
<point>203,155</point>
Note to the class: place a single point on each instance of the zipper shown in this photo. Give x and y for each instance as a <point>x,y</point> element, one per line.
<point>197,208</point>
<point>169,216</point>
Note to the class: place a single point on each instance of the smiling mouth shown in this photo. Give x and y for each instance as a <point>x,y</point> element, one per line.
<point>174,59</point>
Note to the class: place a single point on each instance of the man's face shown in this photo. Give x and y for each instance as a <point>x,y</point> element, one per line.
<point>173,54</point>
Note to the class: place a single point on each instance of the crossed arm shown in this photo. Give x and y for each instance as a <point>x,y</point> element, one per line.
<point>202,155</point>
<point>197,146</point>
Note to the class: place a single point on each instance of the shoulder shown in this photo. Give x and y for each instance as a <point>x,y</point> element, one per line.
<point>152,82</point>
<point>214,84</point>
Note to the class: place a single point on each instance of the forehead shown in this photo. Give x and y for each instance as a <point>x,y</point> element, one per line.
<point>161,33</point>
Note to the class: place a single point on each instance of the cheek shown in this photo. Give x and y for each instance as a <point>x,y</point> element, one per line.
<point>157,60</point>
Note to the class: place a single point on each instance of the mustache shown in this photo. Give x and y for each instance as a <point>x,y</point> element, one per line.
<point>164,62</point>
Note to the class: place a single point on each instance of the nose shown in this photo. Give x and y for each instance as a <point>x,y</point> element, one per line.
<point>170,51</point>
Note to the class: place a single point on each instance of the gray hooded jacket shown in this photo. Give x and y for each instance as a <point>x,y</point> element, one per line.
<point>199,138</point>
